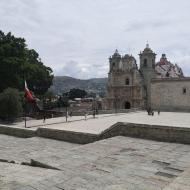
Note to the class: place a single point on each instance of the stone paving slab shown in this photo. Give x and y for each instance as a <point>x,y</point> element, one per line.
<point>115,163</point>
<point>20,150</point>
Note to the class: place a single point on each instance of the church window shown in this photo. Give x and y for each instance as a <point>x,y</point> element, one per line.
<point>145,63</point>
<point>184,90</point>
<point>113,64</point>
<point>127,81</point>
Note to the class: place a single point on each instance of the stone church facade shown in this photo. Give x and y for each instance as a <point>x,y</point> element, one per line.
<point>160,85</point>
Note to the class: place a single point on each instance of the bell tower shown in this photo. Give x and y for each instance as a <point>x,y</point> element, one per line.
<point>115,61</point>
<point>147,69</point>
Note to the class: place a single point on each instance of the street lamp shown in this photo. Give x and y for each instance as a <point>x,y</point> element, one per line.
<point>94,107</point>
<point>115,104</point>
<point>66,103</point>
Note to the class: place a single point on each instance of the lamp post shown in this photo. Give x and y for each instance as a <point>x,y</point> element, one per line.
<point>66,103</point>
<point>115,104</point>
<point>66,113</point>
<point>94,108</point>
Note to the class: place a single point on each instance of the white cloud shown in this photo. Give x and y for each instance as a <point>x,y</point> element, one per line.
<point>77,37</point>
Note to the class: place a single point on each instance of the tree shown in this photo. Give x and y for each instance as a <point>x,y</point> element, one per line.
<point>18,63</point>
<point>11,106</point>
<point>49,96</point>
<point>63,101</point>
<point>76,93</point>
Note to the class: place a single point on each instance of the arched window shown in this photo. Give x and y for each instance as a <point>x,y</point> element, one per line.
<point>113,64</point>
<point>145,63</point>
<point>127,81</point>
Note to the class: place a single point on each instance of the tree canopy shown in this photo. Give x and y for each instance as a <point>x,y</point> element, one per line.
<point>75,93</point>
<point>18,63</point>
<point>11,106</point>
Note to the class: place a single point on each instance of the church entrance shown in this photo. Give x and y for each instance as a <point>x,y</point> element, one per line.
<point>127,105</point>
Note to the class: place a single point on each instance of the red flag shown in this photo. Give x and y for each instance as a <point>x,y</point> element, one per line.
<point>28,94</point>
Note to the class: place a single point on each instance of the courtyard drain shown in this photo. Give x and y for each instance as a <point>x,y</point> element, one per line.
<point>127,150</point>
<point>163,174</point>
<point>161,163</point>
<point>174,169</point>
<point>137,155</point>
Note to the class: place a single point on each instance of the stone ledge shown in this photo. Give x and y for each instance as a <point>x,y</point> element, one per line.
<point>152,132</point>
<point>69,136</point>
<point>18,132</point>
<point>144,131</point>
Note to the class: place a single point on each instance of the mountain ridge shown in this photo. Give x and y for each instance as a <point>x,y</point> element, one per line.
<point>63,84</point>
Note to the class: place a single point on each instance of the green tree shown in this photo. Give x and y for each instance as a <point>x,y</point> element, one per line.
<point>49,95</point>
<point>18,63</point>
<point>63,101</point>
<point>76,93</point>
<point>11,106</point>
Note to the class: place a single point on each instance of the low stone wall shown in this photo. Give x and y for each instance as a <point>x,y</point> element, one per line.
<point>69,136</point>
<point>119,111</point>
<point>152,132</point>
<point>18,132</point>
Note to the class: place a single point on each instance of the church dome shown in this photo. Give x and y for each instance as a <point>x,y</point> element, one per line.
<point>163,60</point>
<point>126,56</point>
<point>165,68</point>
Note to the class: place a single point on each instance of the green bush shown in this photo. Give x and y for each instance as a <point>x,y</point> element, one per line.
<point>10,104</point>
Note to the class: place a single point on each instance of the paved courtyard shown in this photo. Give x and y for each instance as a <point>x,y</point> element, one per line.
<point>118,163</point>
<point>102,122</point>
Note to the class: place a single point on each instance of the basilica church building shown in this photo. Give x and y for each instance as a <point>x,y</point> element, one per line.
<point>155,85</point>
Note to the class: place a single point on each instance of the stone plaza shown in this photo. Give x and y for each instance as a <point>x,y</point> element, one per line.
<point>116,163</point>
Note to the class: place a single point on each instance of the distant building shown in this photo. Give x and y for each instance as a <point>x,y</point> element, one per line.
<point>160,85</point>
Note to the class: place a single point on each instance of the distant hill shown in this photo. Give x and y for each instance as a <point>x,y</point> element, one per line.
<point>64,84</point>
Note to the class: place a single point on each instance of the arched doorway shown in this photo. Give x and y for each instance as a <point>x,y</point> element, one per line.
<point>127,105</point>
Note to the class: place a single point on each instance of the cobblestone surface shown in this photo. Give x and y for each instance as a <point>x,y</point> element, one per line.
<point>112,164</point>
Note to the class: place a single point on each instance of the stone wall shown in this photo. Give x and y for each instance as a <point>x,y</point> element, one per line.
<point>17,132</point>
<point>152,132</point>
<point>145,131</point>
<point>168,94</point>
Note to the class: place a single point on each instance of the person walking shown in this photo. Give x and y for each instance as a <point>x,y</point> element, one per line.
<point>85,115</point>
<point>44,118</point>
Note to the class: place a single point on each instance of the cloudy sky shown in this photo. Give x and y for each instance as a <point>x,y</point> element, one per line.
<point>76,37</point>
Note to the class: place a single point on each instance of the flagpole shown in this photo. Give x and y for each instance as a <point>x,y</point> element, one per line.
<point>24,106</point>
<point>24,99</point>
<point>25,118</point>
